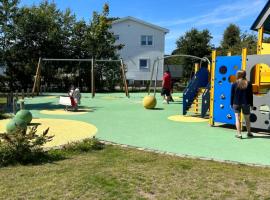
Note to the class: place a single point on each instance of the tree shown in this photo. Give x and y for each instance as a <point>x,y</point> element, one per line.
<point>249,41</point>
<point>8,15</point>
<point>231,41</point>
<point>28,33</point>
<point>100,42</point>
<point>196,43</point>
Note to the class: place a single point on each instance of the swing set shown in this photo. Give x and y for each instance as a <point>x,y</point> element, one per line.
<point>42,61</point>
<point>157,63</point>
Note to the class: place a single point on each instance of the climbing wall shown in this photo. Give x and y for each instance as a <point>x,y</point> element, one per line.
<point>225,71</point>
<point>260,117</point>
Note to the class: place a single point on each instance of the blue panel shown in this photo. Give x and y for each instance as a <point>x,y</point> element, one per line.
<point>225,67</point>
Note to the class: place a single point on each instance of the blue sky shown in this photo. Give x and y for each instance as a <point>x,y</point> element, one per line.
<point>178,16</point>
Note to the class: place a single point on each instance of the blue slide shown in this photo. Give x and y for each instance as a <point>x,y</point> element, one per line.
<point>199,80</point>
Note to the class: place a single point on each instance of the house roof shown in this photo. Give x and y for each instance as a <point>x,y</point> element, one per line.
<point>263,20</point>
<point>141,22</point>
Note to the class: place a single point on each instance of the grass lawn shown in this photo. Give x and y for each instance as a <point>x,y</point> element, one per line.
<point>3,100</point>
<point>117,173</point>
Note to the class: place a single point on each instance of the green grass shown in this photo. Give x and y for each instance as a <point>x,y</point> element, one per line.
<point>3,100</point>
<point>117,173</point>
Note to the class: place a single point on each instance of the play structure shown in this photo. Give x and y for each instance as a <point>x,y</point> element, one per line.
<point>42,61</point>
<point>216,86</point>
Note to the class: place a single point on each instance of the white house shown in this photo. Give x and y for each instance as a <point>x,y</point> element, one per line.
<point>144,43</point>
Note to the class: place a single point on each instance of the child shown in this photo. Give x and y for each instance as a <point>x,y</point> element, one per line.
<point>71,96</point>
<point>77,97</point>
<point>242,101</point>
<point>166,87</point>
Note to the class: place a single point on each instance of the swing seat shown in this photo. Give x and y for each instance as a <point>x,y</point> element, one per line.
<point>65,101</point>
<point>68,102</point>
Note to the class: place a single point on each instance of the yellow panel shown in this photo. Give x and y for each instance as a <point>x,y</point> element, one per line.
<point>264,73</point>
<point>265,48</point>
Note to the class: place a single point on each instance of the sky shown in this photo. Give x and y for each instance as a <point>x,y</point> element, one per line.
<point>179,16</point>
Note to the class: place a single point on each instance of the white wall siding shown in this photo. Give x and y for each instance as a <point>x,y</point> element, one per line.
<point>130,33</point>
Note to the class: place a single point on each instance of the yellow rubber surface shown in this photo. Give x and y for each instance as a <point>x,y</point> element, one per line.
<point>177,98</point>
<point>52,97</point>
<point>181,118</point>
<point>64,131</point>
<point>110,98</point>
<point>63,112</point>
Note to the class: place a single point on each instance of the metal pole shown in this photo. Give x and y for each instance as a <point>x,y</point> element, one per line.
<point>155,89</point>
<point>92,78</point>
<point>152,74</point>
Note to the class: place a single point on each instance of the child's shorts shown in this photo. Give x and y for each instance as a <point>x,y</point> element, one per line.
<point>244,108</point>
<point>166,92</point>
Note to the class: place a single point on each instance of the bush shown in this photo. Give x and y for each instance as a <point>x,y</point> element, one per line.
<point>23,147</point>
<point>84,146</point>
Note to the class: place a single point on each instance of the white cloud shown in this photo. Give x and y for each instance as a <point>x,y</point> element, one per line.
<point>215,19</point>
<point>228,13</point>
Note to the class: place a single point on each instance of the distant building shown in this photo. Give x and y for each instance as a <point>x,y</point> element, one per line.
<point>144,43</point>
<point>175,70</point>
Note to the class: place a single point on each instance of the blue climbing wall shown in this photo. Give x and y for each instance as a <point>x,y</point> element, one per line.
<point>226,66</point>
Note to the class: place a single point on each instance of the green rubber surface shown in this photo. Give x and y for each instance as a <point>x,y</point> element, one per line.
<point>125,121</point>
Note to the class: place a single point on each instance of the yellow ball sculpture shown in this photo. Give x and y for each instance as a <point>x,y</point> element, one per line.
<point>149,102</point>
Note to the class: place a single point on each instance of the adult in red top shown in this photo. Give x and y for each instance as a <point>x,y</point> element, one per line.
<point>166,86</point>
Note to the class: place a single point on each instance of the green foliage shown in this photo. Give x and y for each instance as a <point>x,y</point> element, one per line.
<point>100,41</point>
<point>249,41</point>
<point>8,15</point>
<point>84,146</point>
<point>233,41</point>
<point>45,31</point>
<point>23,147</point>
<point>193,42</point>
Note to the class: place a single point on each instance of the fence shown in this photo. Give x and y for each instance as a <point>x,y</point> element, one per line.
<point>9,101</point>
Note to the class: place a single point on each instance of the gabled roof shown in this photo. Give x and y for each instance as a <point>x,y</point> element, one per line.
<point>263,20</point>
<point>141,22</point>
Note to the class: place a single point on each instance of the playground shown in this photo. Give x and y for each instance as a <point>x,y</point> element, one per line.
<point>118,119</point>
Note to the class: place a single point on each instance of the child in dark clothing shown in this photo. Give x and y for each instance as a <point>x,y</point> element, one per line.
<point>166,87</point>
<point>242,101</point>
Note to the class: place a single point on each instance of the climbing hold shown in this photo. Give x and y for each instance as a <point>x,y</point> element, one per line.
<point>222,96</point>
<point>223,69</point>
<point>253,118</point>
<point>229,116</point>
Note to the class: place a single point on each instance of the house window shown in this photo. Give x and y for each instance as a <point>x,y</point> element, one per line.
<point>144,64</point>
<point>146,40</point>
<point>117,37</point>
